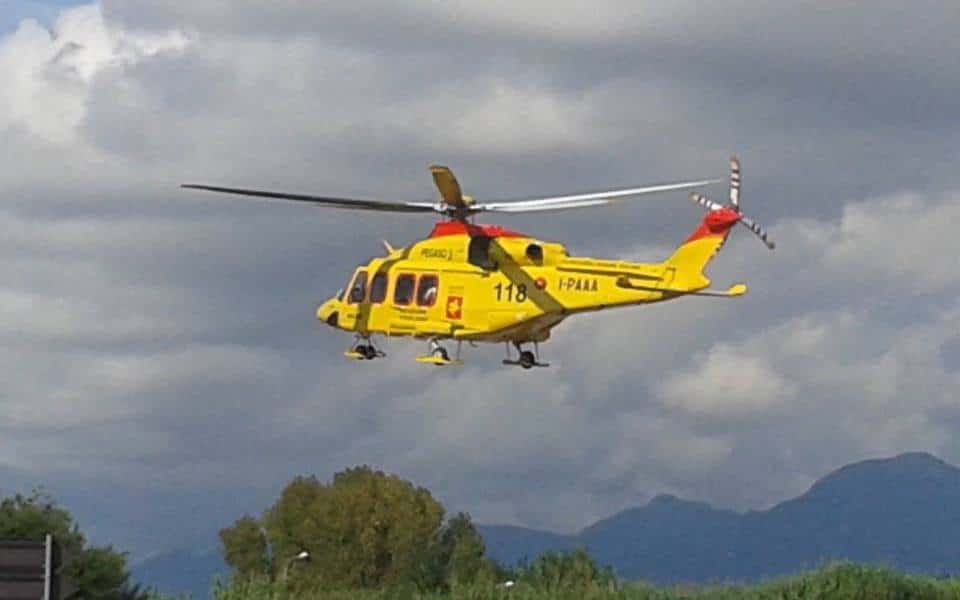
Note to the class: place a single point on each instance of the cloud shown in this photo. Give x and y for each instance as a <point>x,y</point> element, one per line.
<point>905,240</point>
<point>49,71</point>
<point>726,385</point>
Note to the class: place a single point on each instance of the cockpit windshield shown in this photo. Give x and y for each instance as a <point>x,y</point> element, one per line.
<point>359,289</point>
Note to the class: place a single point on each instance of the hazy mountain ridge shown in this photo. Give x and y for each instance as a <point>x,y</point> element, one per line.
<point>902,512</point>
<point>181,572</point>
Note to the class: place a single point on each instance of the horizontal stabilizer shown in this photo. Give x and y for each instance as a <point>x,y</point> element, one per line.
<point>737,289</point>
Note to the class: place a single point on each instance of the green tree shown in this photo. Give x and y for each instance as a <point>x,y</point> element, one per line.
<point>462,553</point>
<point>33,517</point>
<point>245,548</point>
<point>93,572</point>
<point>554,571</point>
<point>365,529</point>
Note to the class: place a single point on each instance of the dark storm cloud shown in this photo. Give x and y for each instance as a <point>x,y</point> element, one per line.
<point>160,343</point>
<point>784,82</point>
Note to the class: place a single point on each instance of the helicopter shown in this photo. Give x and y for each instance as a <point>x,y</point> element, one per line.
<point>472,282</point>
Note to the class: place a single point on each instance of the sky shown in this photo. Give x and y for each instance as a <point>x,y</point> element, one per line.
<point>161,372</point>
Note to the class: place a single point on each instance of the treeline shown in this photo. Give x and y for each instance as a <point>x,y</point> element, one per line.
<point>836,582</point>
<point>573,575</point>
<point>368,535</point>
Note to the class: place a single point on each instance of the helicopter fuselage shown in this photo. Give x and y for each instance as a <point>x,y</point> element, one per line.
<point>489,284</point>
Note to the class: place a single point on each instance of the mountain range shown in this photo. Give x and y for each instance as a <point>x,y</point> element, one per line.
<point>902,512</point>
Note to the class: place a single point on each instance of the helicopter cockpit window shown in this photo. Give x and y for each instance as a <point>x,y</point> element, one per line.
<point>478,253</point>
<point>427,290</point>
<point>378,288</point>
<point>403,291</point>
<point>359,289</point>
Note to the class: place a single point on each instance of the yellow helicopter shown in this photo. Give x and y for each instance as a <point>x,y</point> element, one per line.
<point>471,282</point>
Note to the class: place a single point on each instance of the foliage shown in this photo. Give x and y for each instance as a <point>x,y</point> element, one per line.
<point>457,557</point>
<point>33,517</point>
<point>845,581</point>
<point>836,582</point>
<point>245,547</point>
<point>365,529</point>
<point>94,572</point>
<point>463,552</point>
<point>554,571</point>
<point>99,572</point>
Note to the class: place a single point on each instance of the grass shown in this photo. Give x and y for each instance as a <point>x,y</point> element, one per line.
<point>842,581</point>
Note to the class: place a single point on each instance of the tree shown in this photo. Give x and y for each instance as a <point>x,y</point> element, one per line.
<point>93,572</point>
<point>575,570</point>
<point>365,529</point>
<point>33,517</point>
<point>462,553</point>
<point>245,548</point>
<point>99,573</point>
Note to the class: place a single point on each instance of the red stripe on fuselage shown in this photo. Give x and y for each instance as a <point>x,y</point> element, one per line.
<point>457,228</point>
<point>715,222</point>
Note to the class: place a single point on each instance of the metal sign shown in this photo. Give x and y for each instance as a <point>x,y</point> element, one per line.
<point>27,570</point>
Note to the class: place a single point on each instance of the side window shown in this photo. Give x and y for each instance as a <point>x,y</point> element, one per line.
<point>378,288</point>
<point>359,288</point>
<point>478,253</point>
<point>427,290</point>
<point>403,291</point>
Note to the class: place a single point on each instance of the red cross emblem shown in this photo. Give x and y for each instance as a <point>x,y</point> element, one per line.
<point>455,307</point>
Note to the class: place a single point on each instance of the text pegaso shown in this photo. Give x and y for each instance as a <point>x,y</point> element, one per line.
<point>437,253</point>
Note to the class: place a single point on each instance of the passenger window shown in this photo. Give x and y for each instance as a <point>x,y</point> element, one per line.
<point>478,253</point>
<point>359,289</point>
<point>427,290</point>
<point>378,288</point>
<point>403,292</point>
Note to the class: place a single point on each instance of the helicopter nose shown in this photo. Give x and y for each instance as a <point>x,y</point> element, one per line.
<point>328,313</point>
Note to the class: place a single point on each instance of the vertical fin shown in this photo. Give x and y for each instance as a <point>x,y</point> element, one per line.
<point>691,257</point>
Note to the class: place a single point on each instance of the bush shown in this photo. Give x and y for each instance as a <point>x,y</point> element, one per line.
<point>576,577</point>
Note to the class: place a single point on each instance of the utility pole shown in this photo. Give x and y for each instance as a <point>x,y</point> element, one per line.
<point>48,569</point>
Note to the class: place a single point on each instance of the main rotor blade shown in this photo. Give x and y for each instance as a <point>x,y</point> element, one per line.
<point>448,186</point>
<point>347,203</point>
<point>582,200</point>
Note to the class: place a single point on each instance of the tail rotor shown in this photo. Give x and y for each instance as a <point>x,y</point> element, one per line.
<point>735,183</point>
<point>705,202</point>
<point>710,205</point>
<point>758,231</point>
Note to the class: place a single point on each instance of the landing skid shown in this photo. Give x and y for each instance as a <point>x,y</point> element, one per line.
<point>439,361</point>
<point>526,359</point>
<point>518,363</point>
<point>439,356</point>
<point>363,349</point>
